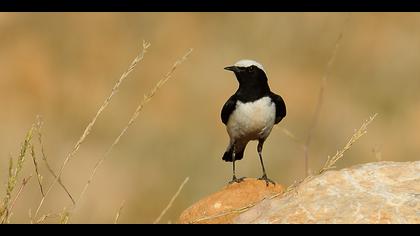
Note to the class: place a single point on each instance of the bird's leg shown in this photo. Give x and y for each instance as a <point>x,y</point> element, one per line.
<point>234,179</point>
<point>264,177</point>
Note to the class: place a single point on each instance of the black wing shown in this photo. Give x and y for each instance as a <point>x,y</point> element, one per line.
<point>228,109</point>
<point>280,107</point>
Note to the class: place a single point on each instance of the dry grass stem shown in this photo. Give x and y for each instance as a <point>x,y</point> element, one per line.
<point>43,218</point>
<point>13,176</point>
<point>22,186</point>
<point>89,127</point>
<point>139,108</point>
<point>172,200</point>
<point>330,163</point>
<point>378,154</point>
<point>64,216</point>
<point>38,175</point>
<point>226,213</point>
<point>320,100</point>
<point>234,211</point>
<point>39,125</point>
<point>147,98</point>
<point>319,103</point>
<point>117,216</point>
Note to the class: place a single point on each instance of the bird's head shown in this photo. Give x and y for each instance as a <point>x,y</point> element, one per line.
<point>248,71</point>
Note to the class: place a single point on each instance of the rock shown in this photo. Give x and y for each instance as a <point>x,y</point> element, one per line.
<point>217,208</point>
<point>382,192</point>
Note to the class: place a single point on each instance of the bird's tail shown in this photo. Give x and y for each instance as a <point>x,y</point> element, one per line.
<point>228,156</point>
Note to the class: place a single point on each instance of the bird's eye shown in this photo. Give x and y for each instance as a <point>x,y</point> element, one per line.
<point>251,68</point>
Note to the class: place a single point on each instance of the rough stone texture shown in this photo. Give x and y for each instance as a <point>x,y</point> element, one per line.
<point>382,192</point>
<point>233,196</point>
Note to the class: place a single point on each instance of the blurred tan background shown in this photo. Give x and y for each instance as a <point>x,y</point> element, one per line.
<point>62,66</point>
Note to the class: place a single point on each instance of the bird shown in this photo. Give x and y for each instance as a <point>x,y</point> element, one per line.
<point>250,113</point>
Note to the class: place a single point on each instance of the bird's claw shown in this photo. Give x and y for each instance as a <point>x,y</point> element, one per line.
<point>267,180</point>
<point>236,180</point>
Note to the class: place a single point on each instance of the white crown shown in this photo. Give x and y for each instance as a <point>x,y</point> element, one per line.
<point>248,63</point>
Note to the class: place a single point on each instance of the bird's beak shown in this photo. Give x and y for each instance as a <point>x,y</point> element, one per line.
<point>232,68</point>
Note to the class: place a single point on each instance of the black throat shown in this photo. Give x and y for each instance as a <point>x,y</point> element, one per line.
<point>252,89</point>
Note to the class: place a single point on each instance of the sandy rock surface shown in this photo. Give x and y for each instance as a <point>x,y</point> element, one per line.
<point>217,208</point>
<point>381,192</point>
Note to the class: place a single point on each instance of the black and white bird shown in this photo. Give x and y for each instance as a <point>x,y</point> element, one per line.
<point>250,113</point>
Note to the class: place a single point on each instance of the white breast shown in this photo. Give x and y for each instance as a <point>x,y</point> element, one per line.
<point>252,120</point>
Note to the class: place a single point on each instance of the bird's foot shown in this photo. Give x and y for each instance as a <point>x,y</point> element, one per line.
<point>236,180</point>
<point>267,180</point>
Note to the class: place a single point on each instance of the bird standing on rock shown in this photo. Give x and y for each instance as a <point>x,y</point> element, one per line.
<point>250,113</point>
